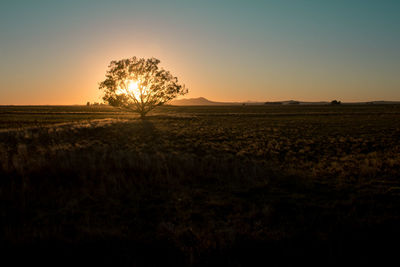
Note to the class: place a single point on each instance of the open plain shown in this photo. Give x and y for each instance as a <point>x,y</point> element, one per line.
<point>200,186</point>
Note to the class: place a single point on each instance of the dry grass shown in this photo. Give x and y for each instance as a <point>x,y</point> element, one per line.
<point>227,185</point>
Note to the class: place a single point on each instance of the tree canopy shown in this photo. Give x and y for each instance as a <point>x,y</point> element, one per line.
<point>139,85</point>
<point>335,102</point>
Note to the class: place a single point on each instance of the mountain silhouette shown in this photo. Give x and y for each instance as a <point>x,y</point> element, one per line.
<point>201,101</point>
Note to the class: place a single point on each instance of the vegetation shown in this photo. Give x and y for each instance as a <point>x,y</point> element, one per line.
<point>139,85</point>
<point>273,103</point>
<point>201,186</point>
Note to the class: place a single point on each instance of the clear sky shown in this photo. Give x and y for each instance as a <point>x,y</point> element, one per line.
<point>56,52</point>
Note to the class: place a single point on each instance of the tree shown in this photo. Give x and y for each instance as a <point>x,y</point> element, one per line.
<point>335,102</point>
<point>139,85</point>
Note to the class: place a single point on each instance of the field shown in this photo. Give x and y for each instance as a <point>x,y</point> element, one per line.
<point>200,186</point>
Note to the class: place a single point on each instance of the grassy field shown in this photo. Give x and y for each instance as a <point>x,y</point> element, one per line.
<point>200,186</point>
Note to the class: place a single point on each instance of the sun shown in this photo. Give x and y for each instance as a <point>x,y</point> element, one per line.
<point>133,88</point>
<point>130,87</point>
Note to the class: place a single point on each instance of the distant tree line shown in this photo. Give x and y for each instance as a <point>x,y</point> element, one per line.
<point>95,104</point>
<point>273,103</point>
<point>291,102</point>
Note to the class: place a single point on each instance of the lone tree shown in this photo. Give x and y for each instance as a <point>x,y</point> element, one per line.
<point>139,85</point>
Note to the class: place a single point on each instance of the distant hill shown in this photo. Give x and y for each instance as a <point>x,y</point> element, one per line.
<point>381,102</point>
<point>201,101</point>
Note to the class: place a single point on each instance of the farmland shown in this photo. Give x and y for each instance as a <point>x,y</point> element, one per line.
<point>202,185</point>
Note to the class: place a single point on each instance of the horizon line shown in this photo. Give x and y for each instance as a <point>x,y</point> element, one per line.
<point>222,102</point>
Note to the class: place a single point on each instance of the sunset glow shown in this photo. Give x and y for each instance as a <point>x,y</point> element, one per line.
<point>55,52</point>
<point>199,133</point>
<point>131,88</point>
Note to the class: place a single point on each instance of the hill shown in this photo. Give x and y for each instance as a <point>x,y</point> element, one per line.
<point>201,101</point>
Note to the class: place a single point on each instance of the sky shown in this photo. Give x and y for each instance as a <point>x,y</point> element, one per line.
<point>57,52</point>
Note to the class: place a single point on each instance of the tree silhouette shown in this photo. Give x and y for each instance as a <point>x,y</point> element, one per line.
<point>139,85</point>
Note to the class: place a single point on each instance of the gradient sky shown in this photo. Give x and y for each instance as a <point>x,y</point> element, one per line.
<point>56,52</point>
